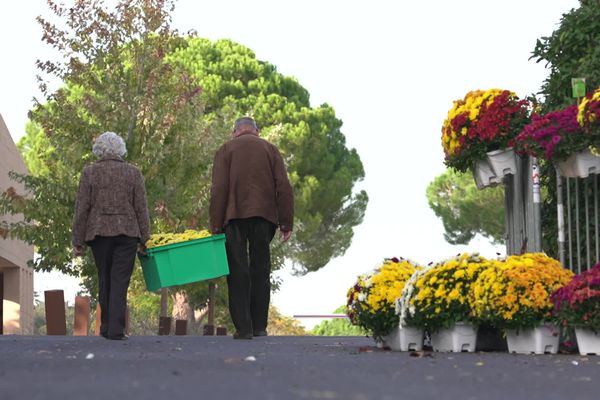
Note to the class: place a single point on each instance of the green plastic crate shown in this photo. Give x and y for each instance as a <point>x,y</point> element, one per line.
<point>185,262</point>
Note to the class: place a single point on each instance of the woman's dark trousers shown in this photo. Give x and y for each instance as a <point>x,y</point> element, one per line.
<point>115,258</point>
<point>249,282</point>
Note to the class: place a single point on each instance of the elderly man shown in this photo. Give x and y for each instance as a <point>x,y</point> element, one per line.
<point>250,197</point>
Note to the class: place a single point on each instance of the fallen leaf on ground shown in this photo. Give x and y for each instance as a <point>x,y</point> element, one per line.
<point>420,354</point>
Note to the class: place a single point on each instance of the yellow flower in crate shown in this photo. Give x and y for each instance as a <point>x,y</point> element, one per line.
<point>371,300</point>
<point>437,296</point>
<point>515,293</point>
<point>163,239</point>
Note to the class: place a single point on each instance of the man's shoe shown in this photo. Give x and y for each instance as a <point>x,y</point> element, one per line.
<point>243,336</point>
<point>260,333</point>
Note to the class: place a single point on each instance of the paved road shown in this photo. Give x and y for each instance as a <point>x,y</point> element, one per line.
<point>192,367</point>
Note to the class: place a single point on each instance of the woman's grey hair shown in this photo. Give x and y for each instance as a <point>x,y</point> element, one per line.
<point>108,145</point>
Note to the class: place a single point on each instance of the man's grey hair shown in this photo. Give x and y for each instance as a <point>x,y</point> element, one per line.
<point>109,145</point>
<point>244,121</point>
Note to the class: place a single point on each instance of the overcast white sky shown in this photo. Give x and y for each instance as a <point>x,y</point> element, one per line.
<point>391,69</point>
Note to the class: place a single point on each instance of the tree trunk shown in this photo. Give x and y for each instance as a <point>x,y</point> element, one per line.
<point>164,302</point>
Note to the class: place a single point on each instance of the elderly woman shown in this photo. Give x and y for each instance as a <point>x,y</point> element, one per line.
<point>111,216</point>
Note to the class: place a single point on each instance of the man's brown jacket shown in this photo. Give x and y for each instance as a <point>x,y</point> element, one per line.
<point>249,179</point>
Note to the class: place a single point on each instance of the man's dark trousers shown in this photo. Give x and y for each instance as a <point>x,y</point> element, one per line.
<point>249,282</point>
<point>115,258</point>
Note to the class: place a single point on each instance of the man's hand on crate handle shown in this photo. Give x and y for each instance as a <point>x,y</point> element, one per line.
<point>142,249</point>
<point>286,235</point>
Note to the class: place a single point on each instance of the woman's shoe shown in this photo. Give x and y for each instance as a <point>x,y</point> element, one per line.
<point>118,337</point>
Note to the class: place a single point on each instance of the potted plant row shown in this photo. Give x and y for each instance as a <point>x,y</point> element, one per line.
<point>452,298</point>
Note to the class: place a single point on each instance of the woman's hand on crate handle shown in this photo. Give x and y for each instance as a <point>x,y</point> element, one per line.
<point>78,250</point>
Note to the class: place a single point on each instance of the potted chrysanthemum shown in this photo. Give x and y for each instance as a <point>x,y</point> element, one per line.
<point>577,305</point>
<point>371,300</point>
<point>436,299</point>
<point>477,134</point>
<point>514,295</point>
<point>559,138</point>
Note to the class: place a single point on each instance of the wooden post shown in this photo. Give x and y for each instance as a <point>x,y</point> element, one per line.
<point>127,319</point>
<point>98,320</point>
<point>209,330</point>
<point>211,303</point>
<point>82,316</point>
<point>56,322</point>
<point>221,331</point>
<point>181,327</point>
<point>164,326</point>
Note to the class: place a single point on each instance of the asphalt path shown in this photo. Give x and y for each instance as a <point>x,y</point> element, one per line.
<point>284,367</point>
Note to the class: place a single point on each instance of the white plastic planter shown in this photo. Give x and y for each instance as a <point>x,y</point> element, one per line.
<point>580,165</point>
<point>587,341</point>
<point>539,340</point>
<point>503,162</point>
<point>405,339</point>
<point>484,175</point>
<point>461,337</point>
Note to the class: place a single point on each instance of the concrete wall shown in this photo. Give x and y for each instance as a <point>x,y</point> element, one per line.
<point>14,254</point>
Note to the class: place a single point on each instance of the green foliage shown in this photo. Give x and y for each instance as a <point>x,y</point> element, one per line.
<point>338,326</point>
<point>465,210</point>
<point>571,51</point>
<point>142,80</point>
<point>280,325</point>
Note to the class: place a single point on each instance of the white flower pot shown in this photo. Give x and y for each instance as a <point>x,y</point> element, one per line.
<point>503,162</point>
<point>407,338</point>
<point>484,175</point>
<point>588,341</point>
<point>461,337</point>
<point>580,165</point>
<point>540,340</point>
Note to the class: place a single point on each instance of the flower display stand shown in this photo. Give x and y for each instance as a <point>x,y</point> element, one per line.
<point>587,341</point>
<point>461,337</point>
<point>503,162</point>
<point>407,338</point>
<point>539,340</point>
<point>580,165</point>
<point>484,175</point>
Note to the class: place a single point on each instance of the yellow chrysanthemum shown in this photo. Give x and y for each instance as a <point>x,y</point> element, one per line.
<point>163,239</point>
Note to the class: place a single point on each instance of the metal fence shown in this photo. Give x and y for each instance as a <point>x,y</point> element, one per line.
<point>578,214</point>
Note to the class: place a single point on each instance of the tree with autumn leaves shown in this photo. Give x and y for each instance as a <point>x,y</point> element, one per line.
<point>173,98</point>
